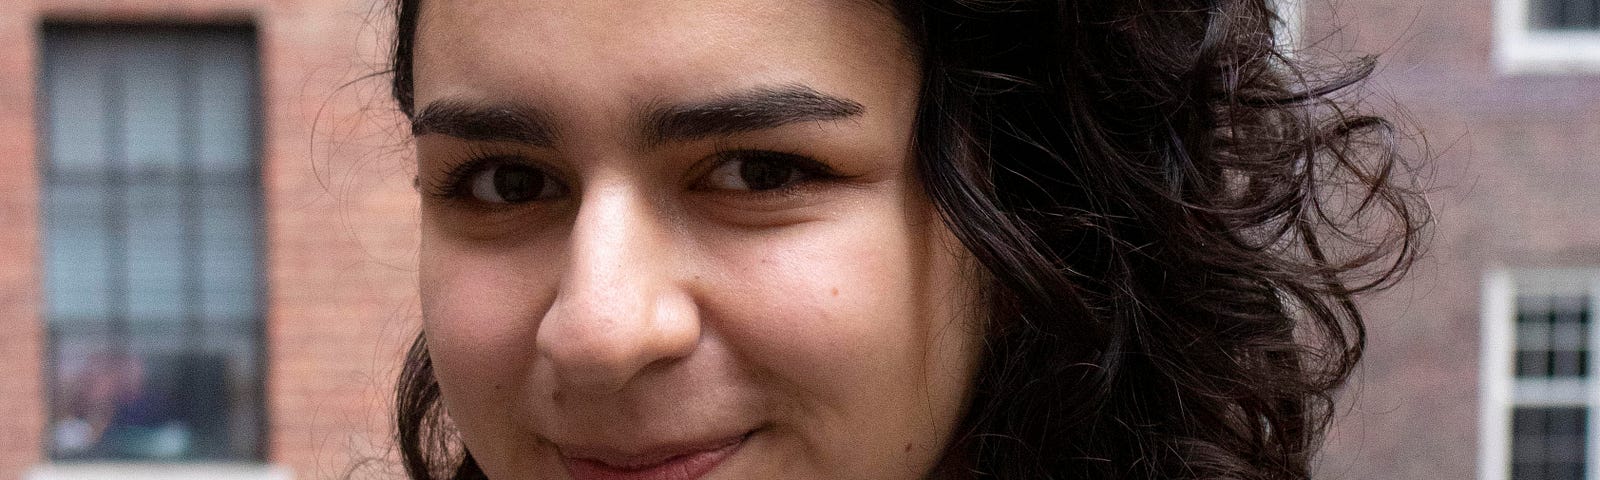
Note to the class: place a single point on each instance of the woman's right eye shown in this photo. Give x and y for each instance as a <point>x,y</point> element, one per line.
<point>510,183</point>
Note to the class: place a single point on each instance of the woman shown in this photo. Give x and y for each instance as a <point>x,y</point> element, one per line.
<point>882,240</point>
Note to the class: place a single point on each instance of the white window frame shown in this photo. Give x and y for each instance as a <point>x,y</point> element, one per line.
<point>1288,32</point>
<point>145,471</point>
<point>1521,49</point>
<point>1499,390</point>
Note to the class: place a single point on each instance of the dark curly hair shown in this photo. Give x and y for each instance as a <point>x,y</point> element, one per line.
<point>1175,215</point>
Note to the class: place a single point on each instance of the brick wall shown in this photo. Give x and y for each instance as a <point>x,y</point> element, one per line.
<point>1517,157</point>
<point>21,402</point>
<point>339,230</point>
<point>1515,161</point>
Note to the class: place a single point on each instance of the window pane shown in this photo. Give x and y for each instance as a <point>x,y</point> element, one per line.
<point>152,243</point>
<point>77,267</point>
<point>73,84</point>
<point>1548,443</point>
<point>228,255</point>
<point>1552,336</point>
<point>156,258</point>
<point>225,92</point>
<point>156,400</point>
<point>1565,14</point>
<point>151,75</point>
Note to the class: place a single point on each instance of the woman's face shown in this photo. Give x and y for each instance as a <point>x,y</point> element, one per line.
<point>667,239</point>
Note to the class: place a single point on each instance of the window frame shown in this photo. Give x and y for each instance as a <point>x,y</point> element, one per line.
<point>146,471</point>
<point>256,465</point>
<point>1500,391</point>
<point>1289,32</point>
<point>1521,49</point>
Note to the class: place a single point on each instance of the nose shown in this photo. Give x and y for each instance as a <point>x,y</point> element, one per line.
<point>620,308</point>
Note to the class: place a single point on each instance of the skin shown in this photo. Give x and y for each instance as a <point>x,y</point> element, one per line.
<point>650,299</point>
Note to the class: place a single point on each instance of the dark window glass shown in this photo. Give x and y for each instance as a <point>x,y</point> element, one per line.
<point>1547,443</point>
<point>1565,14</point>
<point>152,243</point>
<point>1552,336</point>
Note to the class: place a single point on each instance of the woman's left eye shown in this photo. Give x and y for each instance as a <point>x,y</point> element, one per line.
<point>760,171</point>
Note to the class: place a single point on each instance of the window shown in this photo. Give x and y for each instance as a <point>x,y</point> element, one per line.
<point>1535,36</point>
<point>1290,19</point>
<point>1539,386</point>
<point>1564,14</point>
<point>151,199</point>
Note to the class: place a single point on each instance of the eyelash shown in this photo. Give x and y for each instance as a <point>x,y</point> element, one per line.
<point>456,184</point>
<point>811,170</point>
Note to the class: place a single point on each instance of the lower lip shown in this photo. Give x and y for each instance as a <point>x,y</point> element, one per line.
<point>683,467</point>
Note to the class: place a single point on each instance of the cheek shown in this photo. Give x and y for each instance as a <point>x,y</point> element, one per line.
<point>869,343</point>
<point>481,306</point>
<point>815,297</point>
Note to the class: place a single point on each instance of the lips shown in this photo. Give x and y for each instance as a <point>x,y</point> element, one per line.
<point>668,462</point>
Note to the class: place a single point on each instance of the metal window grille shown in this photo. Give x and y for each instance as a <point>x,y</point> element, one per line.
<point>152,243</point>
<point>1565,14</point>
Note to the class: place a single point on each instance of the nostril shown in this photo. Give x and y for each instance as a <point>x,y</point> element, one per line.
<point>596,370</point>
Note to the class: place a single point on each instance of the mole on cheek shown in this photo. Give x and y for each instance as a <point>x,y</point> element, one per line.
<point>835,291</point>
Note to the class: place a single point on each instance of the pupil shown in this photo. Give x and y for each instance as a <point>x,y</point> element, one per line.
<point>765,173</point>
<point>517,184</point>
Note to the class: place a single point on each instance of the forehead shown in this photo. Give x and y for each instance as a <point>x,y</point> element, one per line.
<point>596,51</point>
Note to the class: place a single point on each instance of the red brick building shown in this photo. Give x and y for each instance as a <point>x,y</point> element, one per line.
<point>1479,365</point>
<point>320,310</point>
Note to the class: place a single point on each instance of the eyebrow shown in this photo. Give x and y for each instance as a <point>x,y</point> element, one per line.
<point>758,109</point>
<point>761,108</point>
<point>485,122</point>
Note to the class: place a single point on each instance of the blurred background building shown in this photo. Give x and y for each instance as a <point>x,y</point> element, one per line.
<point>206,259</point>
<point>207,240</point>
